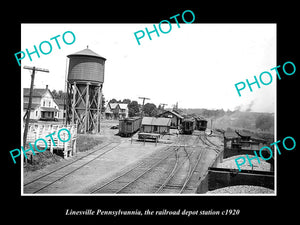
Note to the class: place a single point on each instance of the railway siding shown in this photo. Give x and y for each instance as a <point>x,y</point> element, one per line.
<point>128,168</point>
<point>75,176</point>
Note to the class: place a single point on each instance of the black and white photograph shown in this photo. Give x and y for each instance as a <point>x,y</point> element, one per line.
<point>139,112</point>
<point>178,114</point>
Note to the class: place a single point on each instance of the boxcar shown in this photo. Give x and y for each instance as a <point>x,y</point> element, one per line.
<point>188,126</point>
<point>201,124</point>
<point>129,126</point>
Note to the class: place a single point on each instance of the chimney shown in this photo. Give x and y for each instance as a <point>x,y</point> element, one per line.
<point>46,86</point>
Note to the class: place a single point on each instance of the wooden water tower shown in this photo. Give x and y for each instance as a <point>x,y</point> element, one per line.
<point>84,89</point>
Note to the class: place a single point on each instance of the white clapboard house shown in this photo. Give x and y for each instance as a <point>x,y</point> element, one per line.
<point>44,106</point>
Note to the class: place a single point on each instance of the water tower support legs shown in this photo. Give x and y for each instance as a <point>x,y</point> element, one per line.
<point>87,108</point>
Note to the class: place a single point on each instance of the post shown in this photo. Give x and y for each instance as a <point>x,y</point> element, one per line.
<point>144,98</point>
<point>99,108</point>
<point>30,100</point>
<point>87,102</point>
<point>29,108</point>
<point>74,87</point>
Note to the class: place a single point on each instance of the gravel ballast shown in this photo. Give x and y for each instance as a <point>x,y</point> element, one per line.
<point>242,189</point>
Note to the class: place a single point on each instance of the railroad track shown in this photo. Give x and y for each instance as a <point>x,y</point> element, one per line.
<point>177,167</point>
<point>180,177</point>
<point>42,182</point>
<point>203,137</point>
<point>121,182</point>
<point>171,170</point>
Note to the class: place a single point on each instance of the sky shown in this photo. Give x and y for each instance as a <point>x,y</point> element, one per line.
<point>196,65</point>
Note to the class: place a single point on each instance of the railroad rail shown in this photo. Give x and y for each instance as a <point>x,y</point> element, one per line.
<point>203,137</point>
<point>128,177</point>
<point>175,177</point>
<point>174,182</point>
<point>38,184</point>
<point>176,167</point>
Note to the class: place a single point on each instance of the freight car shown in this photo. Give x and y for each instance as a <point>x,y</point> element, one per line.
<point>201,123</point>
<point>188,126</point>
<point>129,126</point>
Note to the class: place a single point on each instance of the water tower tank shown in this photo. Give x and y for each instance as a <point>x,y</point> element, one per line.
<point>84,90</point>
<point>86,66</point>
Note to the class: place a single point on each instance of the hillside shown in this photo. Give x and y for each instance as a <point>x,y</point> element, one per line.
<point>235,119</point>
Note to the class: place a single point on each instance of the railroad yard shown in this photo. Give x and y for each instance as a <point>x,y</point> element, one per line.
<point>130,148</point>
<point>121,165</point>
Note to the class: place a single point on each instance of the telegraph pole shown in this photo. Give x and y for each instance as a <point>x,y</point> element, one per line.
<point>30,99</point>
<point>163,105</point>
<point>144,98</point>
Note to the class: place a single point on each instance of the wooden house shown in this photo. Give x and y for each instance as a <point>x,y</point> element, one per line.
<point>44,106</point>
<point>175,117</point>
<point>156,125</point>
<point>116,111</point>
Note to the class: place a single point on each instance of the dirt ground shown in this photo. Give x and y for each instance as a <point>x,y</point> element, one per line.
<point>128,152</point>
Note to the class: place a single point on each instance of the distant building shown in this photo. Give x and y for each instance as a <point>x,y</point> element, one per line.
<point>155,125</point>
<point>44,106</point>
<point>116,111</point>
<point>175,117</point>
<point>61,105</point>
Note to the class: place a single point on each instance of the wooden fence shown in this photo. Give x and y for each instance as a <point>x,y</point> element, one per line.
<point>37,130</point>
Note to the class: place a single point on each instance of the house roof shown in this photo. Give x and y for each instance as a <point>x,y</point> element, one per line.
<point>156,121</point>
<point>37,92</point>
<point>33,105</point>
<point>200,118</point>
<point>172,112</point>
<point>123,105</point>
<point>113,105</point>
<point>60,102</point>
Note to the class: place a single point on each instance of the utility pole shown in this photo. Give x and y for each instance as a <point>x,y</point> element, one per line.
<point>144,98</point>
<point>30,99</point>
<point>163,105</point>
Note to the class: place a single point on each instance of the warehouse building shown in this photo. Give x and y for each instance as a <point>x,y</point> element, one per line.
<point>176,118</point>
<point>155,125</point>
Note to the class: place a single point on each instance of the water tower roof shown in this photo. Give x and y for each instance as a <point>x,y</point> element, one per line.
<point>86,52</point>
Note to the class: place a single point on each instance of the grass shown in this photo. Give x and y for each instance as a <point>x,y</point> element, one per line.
<point>40,160</point>
<point>86,142</point>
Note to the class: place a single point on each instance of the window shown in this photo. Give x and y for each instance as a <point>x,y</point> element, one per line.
<point>44,103</point>
<point>49,103</point>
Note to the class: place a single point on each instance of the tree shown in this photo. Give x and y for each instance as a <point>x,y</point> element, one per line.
<point>150,109</point>
<point>126,101</point>
<point>59,95</point>
<point>113,100</point>
<point>54,93</point>
<point>133,109</point>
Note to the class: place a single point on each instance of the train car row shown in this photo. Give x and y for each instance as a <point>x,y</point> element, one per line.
<point>129,126</point>
<point>188,125</point>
